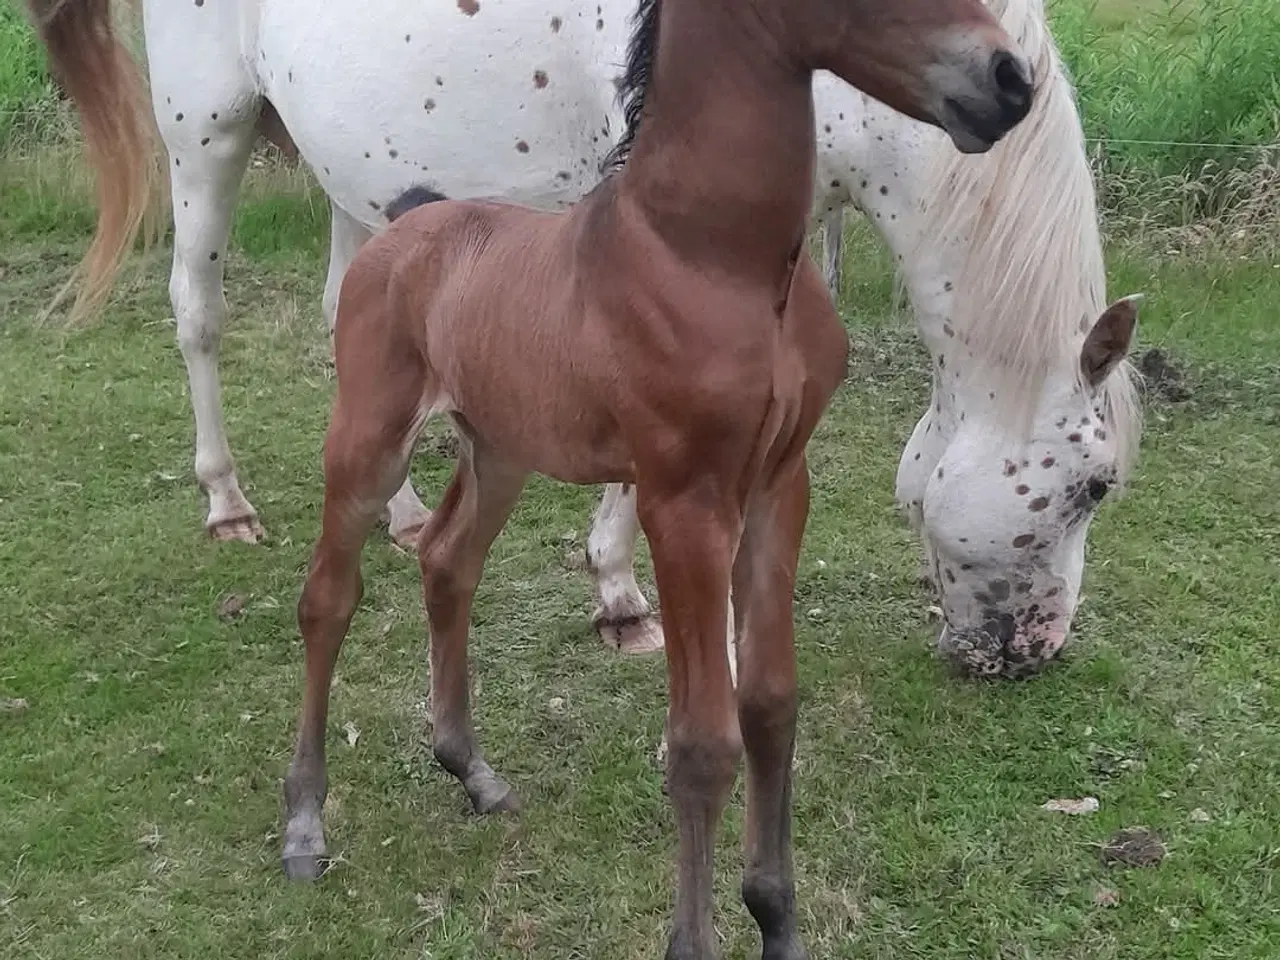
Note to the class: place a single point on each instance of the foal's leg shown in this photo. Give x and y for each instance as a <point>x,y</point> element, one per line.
<point>405,513</point>
<point>623,618</point>
<point>832,227</point>
<point>451,554</point>
<point>366,456</point>
<point>763,587</point>
<point>693,546</point>
<point>731,649</point>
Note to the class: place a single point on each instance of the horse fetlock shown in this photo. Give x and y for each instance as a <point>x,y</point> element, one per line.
<point>770,898</point>
<point>687,944</point>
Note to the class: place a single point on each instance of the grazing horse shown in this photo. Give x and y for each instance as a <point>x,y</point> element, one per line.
<point>669,331</point>
<point>513,100</point>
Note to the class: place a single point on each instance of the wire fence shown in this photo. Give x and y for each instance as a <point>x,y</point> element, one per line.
<point>39,115</point>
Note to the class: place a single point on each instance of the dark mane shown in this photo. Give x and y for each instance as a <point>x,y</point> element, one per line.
<point>642,49</point>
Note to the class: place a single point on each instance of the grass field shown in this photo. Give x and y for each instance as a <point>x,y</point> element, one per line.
<point>139,778</point>
<point>139,789</point>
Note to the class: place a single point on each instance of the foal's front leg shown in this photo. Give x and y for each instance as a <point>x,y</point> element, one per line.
<point>451,555</point>
<point>623,618</point>
<point>764,577</point>
<point>693,546</point>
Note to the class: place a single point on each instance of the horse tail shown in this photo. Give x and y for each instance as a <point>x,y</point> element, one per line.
<point>415,196</point>
<point>107,87</point>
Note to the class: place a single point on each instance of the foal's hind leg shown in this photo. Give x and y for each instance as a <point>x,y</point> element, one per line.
<point>365,459</point>
<point>451,554</point>
<point>623,618</point>
<point>405,513</point>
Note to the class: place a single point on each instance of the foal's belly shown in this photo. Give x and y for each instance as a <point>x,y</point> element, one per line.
<point>512,101</point>
<point>545,421</point>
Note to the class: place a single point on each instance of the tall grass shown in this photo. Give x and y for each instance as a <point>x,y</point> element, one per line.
<point>28,97</point>
<point>1186,90</point>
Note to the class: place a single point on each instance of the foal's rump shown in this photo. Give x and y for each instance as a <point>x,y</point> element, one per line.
<point>489,294</point>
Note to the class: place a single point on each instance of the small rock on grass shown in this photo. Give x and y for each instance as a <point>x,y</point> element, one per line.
<point>1106,897</point>
<point>1074,807</point>
<point>1133,847</point>
<point>13,706</point>
<point>231,606</point>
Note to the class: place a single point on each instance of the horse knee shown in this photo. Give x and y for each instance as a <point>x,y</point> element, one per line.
<point>327,600</point>
<point>702,763</point>
<point>767,705</point>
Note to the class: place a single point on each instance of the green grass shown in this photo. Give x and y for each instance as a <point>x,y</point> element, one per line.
<point>1178,75</point>
<point>26,93</point>
<point>139,792</point>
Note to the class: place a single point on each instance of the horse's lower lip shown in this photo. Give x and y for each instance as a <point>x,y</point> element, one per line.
<point>970,133</point>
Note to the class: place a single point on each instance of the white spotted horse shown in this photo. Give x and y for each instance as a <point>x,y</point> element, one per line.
<point>517,99</point>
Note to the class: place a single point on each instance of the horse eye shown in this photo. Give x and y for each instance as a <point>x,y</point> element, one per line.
<point>1098,489</point>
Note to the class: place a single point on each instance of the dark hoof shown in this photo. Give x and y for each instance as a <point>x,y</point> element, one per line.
<point>306,868</point>
<point>508,802</point>
<point>790,949</point>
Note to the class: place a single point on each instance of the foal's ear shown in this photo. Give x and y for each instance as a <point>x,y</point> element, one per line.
<point>1109,341</point>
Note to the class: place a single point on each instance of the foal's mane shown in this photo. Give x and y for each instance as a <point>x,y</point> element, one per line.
<point>642,50</point>
<point>1034,270</point>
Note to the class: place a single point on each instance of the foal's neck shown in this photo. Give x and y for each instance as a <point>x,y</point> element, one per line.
<point>722,165</point>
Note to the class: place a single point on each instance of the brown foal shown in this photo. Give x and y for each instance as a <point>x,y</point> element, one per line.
<point>669,331</point>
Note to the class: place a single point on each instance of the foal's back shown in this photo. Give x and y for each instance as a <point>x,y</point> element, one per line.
<point>562,338</point>
<point>484,302</point>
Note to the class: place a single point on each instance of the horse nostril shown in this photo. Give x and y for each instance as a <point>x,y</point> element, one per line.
<point>1013,79</point>
<point>1001,628</point>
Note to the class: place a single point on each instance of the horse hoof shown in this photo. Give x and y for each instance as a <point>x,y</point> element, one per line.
<point>787,950</point>
<point>406,538</point>
<point>507,802</point>
<point>633,635</point>
<point>305,868</point>
<point>246,529</point>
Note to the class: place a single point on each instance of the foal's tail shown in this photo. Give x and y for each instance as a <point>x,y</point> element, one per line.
<point>107,87</point>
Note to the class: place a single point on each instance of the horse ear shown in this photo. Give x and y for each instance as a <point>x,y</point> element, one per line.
<point>1109,341</point>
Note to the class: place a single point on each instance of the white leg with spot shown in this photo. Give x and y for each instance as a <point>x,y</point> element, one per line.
<point>406,515</point>
<point>205,177</point>
<point>206,107</point>
<point>623,618</point>
<point>346,236</point>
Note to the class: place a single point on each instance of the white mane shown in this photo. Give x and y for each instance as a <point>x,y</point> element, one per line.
<point>1034,271</point>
